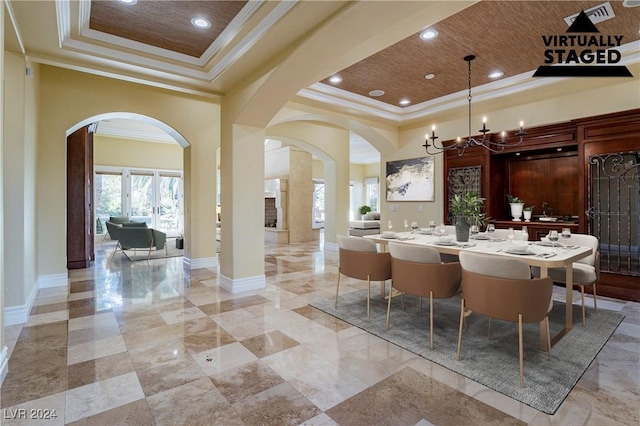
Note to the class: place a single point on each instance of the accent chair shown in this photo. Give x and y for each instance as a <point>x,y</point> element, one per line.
<point>417,270</point>
<point>502,288</point>
<point>360,259</point>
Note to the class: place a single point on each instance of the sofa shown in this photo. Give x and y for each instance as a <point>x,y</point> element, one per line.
<point>369,225</point>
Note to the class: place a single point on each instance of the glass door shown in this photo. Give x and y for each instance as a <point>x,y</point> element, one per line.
<point>142,198</point>
<point>107,198</point>
<point>169,204</point>
<point>150,196</point>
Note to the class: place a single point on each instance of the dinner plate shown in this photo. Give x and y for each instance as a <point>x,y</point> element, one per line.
<point>519,253</point>
<point>446,243</point>
<point>481,237</point>
<point>429,232</point>
<point>392,237</point>
<point>547,244</point>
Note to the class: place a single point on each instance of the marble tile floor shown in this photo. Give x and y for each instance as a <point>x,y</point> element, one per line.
<point>142,343</point>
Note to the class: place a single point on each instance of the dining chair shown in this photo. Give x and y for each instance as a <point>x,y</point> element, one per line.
<point>360,259</point>
<point>418,271</point>
<point>586,271</point>
<point>502,288</point>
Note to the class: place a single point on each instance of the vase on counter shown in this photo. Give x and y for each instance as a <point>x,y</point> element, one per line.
<point>516,211</point>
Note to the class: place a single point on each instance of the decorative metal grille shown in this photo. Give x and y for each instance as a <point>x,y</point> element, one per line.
<point>614,210</point>
<point>462,180</point>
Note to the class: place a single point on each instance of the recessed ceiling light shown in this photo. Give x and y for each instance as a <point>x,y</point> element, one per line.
<point>429,76</point>
<point>200,22</point>
<point>335,79</point>
<point>128,2</point>
<point>404,102</point>
<point>429,34</point>
<point>496,74</point>
<point>376,93</point>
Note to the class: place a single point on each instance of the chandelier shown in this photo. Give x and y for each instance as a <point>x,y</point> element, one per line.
<point>462,144</point>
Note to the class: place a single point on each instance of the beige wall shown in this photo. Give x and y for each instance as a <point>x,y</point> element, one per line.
<point>4,356</point>
<point>19,164</point>
<point>67,98</point>
<point>110,151</point>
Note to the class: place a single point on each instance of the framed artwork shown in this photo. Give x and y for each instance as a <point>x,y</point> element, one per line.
<point>411,180</point>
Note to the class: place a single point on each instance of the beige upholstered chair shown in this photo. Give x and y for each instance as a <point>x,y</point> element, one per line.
<point>417,270</point>
<point>359,259</point>
<point>586,271</point>
<point>502,288</point>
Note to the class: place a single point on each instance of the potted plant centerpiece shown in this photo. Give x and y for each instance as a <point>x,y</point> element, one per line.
<point>527,212</point>
<point>467,210</point>
<point>364,210</point>
<point>517,205</point>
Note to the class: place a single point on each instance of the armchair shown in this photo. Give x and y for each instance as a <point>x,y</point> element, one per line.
<point>137,237</point>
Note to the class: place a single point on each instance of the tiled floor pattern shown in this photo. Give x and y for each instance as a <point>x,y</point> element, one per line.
<point>147,343</point>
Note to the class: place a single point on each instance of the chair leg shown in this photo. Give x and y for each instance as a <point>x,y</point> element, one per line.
<point>430,317</point>
<point>584,321</point>
<point>115,250</point>
<point>520,350</point>
<point>546,320</point>
<point>460,329</point>
<point>595,303</point>
<point>368,296</point>
<point>335,305</point>
<point>389,303</point>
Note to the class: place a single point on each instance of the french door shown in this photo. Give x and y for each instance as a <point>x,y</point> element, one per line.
<point>151,196</point>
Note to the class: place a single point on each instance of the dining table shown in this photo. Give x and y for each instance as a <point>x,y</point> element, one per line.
<point>541,254</point>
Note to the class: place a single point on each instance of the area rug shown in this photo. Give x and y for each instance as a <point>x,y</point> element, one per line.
<point>491,362</point>
<point>141,254</point>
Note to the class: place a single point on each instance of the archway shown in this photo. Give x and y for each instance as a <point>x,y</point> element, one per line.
<point>129,161</point>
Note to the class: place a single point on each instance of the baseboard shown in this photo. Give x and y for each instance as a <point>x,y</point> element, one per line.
<point>331,246</point>
<point>53,280</point>
<point>203,262</point>
<point>20,314</point>
<point>242,284</point>
<point>4,363</point>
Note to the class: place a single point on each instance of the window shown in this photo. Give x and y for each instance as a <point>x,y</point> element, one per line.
<point>318,202</point>
<point>372,193</point>
<point>151,196</point>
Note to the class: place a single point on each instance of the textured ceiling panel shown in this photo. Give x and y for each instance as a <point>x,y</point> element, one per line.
<point>165,24</point>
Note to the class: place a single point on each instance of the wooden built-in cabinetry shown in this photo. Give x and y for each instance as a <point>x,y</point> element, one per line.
<point>80,215</point>
<point>587,169</point>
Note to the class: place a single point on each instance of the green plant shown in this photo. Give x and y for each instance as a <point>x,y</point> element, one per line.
<point>529,208</point>
<point>514,200</point>
<point>364,209</point>
<point>469,206</point>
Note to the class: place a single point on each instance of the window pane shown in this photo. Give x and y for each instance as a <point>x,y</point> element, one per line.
<point>142,198</point>
<point>108,199</point>
<point>169,203</point>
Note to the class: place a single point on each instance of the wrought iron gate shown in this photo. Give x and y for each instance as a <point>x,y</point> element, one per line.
<point>614,210</point>
<point>462,180</point>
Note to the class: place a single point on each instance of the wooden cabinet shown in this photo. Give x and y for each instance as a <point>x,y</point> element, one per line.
<point>80,215</point>
<point>587,169</point>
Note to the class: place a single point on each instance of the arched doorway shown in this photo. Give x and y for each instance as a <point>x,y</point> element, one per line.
<point>82,210</point>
